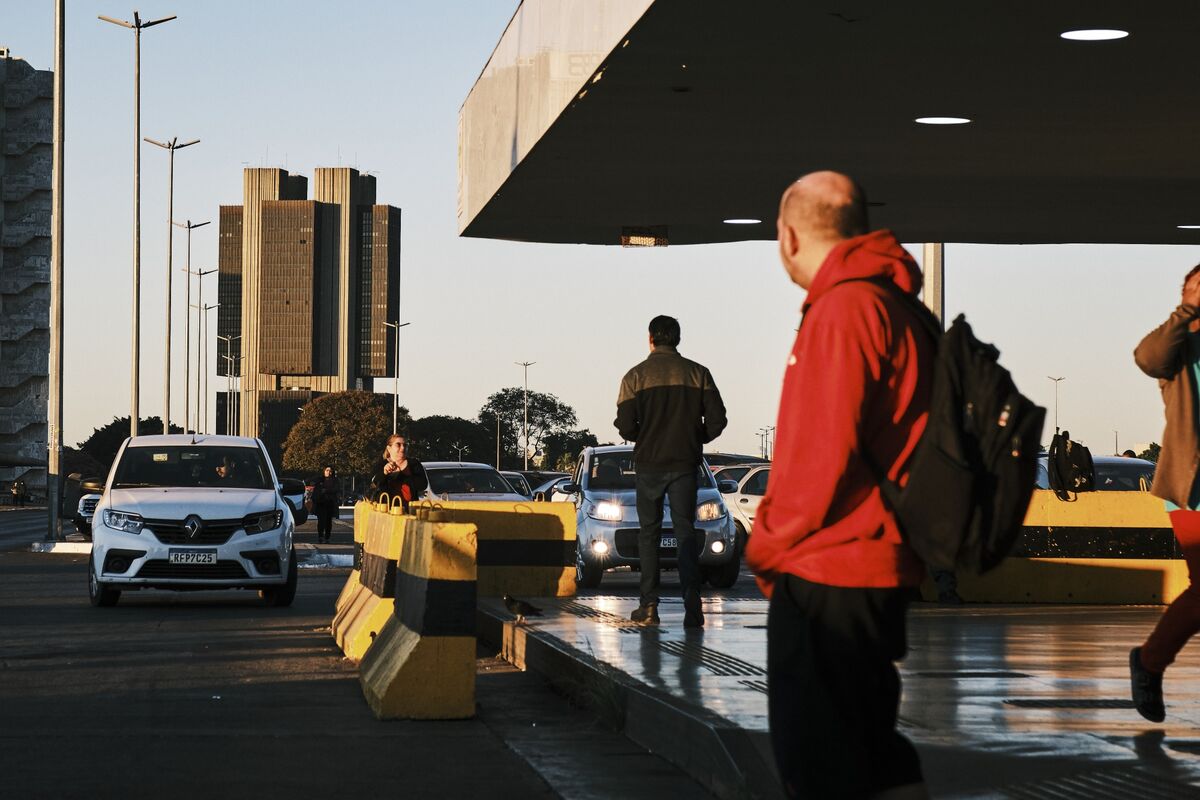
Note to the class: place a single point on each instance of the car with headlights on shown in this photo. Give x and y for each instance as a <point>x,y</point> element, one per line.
<point>607,525</point>
<point>190,512</point>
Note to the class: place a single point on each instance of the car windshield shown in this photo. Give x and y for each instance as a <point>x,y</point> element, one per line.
<point>615,472</point>
<point>190,466</point>
<point>467,481</point>
<point>1124,477</point>
<point>519,485</point>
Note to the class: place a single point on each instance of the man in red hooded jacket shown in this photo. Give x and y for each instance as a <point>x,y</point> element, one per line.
<point>825,547</point>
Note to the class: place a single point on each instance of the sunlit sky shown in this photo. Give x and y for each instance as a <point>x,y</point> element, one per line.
<point>378,85</point>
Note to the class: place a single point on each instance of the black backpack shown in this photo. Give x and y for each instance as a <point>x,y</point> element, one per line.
<point>973,471</point>
<point>1069,467</point>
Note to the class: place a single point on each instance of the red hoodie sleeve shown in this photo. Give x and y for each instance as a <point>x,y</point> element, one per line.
<point>834,363</point>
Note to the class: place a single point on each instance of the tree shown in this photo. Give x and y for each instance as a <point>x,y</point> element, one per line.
<point>561,448</point>
<point>104,442</point>
<point>443,438</point>
<point>343,430</point>
<point>76,461</point>
<point>547,414</point>
<point>1151,452</point>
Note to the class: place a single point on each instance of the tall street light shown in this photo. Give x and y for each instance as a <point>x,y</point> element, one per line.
<point>54,396</point>
<point>187,329</point>
<point>526,365</point>
<point>228,340</point>
<point>170,146</point>
<point>136,312</point>
<point>396,382</point>
<point>770,429</point>
<point>200,273</point>
<point>1056,380</point>
<point>203,309</point>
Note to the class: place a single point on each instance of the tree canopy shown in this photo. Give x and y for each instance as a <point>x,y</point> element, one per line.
<point>561,448</point>
<point>1151,452</point>
<point>547,414</point>
<point>104,442</point>
<point>343,430</point>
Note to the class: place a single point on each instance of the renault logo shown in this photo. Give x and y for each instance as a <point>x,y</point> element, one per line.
<point>192,526</point>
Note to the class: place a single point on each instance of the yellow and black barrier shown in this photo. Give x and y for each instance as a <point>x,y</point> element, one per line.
<point>1100,547</point>
<point>366,600</point>
<point>422,662</point>
<point>362,511</point>
<point>526,549</point>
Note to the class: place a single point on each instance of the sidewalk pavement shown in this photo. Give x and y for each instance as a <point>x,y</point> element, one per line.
<point>1001,701</point>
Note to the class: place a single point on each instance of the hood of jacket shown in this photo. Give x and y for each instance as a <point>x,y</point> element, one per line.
<point>875,255</point>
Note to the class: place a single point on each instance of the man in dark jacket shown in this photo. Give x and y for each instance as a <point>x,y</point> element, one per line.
<point>670,407</point>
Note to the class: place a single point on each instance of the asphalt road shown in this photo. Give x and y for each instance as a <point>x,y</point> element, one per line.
<point>21,527</point>
<point>203,694</point>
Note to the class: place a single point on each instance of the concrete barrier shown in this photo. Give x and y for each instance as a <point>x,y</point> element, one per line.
<point>422,662</point>
<point>526,549</point>
<point>365,601</point>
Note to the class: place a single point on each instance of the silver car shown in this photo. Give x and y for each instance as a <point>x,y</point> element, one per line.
<point>607,522</point>
<point>467,480</point>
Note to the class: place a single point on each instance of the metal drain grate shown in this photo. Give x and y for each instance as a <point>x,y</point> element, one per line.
<point>1069,703</point>
<point>978,674</point>
<point>713,660</point>
<point>587,612</point>
<point>759,686</point>
<point>1113,783</point>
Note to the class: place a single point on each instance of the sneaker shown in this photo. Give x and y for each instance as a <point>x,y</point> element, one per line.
<point>1147,688</point>
<point>693,615</point>
<point>645,614</point>
<point>950,598</point>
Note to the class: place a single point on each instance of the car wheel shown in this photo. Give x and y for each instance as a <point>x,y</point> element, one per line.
<point>740,538</point>
<point>587,576</point>
<point>100,595</point>
<point>725,575</point>
<point>282,596</point>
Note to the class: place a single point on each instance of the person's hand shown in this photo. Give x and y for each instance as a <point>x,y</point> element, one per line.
<point>1191,291</point>
<point>389,468</point>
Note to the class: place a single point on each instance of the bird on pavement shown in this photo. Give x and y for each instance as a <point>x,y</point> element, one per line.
<point>520,609</point>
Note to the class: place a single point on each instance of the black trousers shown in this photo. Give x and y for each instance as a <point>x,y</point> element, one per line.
<point>834,691</point>
<point>324,522</point>
<point>678,488</point>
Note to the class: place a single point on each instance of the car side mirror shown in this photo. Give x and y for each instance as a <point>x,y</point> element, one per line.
<point>727,487</point>
<point>571,488</point>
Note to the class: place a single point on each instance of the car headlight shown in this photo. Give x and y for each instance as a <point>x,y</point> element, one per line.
<point>706,512</point>
<point>123,521</point>
<point>262,522</point>
<point>606,511</point>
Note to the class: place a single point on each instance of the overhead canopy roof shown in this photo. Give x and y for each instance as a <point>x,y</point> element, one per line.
<point>593,116</point>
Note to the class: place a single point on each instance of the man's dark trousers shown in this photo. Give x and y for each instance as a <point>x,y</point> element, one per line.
<point>680,489</point>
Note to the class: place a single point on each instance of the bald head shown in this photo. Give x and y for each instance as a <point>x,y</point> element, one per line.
<point>825,204</point>
<point>816,213</point>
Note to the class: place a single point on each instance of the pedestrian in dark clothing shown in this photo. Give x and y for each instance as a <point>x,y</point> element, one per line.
<point>670,408</point>
<point>326,499</point>
<point>1171,353</point>
<point>825,546</point>
<point>399,475</point>
<point>18,492</point>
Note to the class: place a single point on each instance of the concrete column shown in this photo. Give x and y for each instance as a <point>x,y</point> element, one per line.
<point>934,267</point>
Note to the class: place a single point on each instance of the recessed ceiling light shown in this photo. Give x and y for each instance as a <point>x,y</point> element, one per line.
<point>1188,227</point>
<point>1094,35</point>
<point>745,221</point>
<point>942,120</point>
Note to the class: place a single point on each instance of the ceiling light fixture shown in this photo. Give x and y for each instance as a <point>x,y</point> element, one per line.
<point>1094,35</point>
<point>1188,227</point>
<point>942,120</point>
<point>743,221</point>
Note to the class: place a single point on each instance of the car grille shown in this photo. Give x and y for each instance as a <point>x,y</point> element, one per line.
<point>161,568</point>
<point>627,544</point>
<point>215,531</point>
<point>89,505</point>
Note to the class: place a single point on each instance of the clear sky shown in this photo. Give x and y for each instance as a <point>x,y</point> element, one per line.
<point>377,85</point>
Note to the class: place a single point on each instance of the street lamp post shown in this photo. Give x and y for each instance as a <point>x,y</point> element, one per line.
<point>200,273</point>
<point>770,430</point>
<point>1056,380</point>
<point>228,340</point>
<point>136,26</point>
<point>203,311</point>
<point>526,365</point>
<point>54,395</point>
<point>170,146</point>
<point>187,328</point>
<point>460,448</point>
<point>396,382</point>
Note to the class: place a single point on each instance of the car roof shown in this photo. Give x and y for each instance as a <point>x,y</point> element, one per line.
<point>197,440</point>
<point>456,465</point>
<point>1112,460</point>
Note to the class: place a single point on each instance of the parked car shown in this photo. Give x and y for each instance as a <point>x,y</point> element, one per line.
<point>518,483</point>
<point>465,480</point>
<point>732,472</point>
<point>751,486</point>
<point>723,459</point>
<point>192,512</point>
<point>1113,473</point>
<point>90,492</point>
<point>294,491</point>
<point>536,477</point>
<point>607,522</point>
<point>552,489</point>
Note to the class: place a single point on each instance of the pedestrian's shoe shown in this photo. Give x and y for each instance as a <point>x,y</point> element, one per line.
<point>950,598</point>
<point>693,615</point>
<point>645,614</point>
<point>1147,688</point>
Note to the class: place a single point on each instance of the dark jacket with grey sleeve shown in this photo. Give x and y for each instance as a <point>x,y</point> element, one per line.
<point>670,407</point>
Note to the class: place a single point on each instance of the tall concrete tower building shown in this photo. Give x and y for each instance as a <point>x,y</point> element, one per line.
<point>26,138</point>
<point>306,285</point>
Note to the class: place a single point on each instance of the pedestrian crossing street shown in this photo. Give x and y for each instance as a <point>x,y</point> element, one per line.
<point>21,528</point>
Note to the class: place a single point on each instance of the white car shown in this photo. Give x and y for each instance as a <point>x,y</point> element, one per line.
<point>467,480</point>
<point>192,512</point>
<point>743,503</point>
